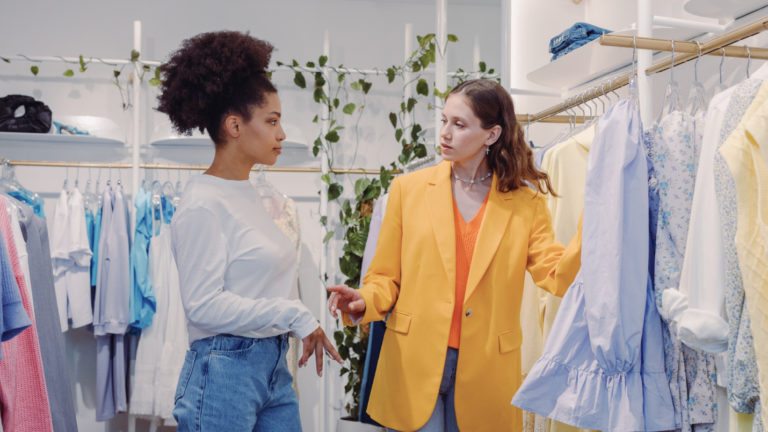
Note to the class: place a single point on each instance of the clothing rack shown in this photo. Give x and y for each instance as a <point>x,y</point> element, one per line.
<point>718,43</point>
<point>529,118</point>
<point>118,165</point>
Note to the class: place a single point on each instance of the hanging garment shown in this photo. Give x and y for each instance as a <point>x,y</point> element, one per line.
<point>57,375</point>
<point>111,306</point>
<point>23,391</point>
<point>29,198</point>
<point>142,296</point>
<point>21,249</point>
<point>94,243</point>
<point>14,316</point>
<point>602,366</point>
<point>744,153</point>
<point>690,373</point>
<point>163,345</point>
<point>71,261</point>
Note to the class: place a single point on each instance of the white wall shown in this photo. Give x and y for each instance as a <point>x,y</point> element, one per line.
<point>363,33</point>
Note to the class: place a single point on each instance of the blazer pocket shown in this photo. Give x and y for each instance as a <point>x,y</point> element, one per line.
<point>399,322</point>
<point>510,340</point>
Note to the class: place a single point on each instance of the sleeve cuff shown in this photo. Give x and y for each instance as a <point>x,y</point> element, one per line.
<point>306,326</point>
<point>703,330</point>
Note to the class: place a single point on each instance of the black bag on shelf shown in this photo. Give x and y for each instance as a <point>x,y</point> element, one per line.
<point>36,117</point>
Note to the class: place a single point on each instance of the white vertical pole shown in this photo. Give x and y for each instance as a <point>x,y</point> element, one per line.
<point>137,113</point>
<point>644,59</point>
<point>506,43</point>
<point>327,382</point>
<point>408,49</point>
<point>135,142</point>
<point>441,66</point>
<point>476,55</point>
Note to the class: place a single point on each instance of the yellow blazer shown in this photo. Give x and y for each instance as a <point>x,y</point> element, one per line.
<point>414,270</point>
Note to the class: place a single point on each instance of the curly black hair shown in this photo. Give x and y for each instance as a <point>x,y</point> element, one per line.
<point>211,76</point>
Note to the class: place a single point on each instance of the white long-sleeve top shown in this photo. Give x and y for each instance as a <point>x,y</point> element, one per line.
<point>236,267</point>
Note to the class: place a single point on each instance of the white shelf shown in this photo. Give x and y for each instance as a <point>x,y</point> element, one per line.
<point>204,141</point>
<point>593,61</point>
<point>723,9</point>
<point>64,148</point>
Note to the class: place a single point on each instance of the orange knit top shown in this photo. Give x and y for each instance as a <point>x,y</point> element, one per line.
<point>466,236</point>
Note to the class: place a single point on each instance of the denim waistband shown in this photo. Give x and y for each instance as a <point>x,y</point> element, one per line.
<point>229,342</point>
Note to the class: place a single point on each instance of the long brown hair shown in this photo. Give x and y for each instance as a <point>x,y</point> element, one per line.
<point>509,157</point>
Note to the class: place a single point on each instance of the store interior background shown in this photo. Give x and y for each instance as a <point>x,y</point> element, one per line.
<point>363,34</point>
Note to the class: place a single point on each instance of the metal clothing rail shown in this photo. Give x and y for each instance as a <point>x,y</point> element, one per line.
<point>682,47</point>
<point>119,165</point>
<point>707,47</point>
<point>528,118</point>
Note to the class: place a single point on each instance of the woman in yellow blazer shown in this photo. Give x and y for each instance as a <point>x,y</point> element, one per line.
<point>421,382</point>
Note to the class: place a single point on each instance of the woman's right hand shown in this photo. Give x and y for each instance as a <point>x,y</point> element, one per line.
<point>347,300</point>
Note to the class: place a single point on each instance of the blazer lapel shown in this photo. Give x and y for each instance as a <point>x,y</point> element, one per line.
<point>439,203</point>
<point>492,230</point>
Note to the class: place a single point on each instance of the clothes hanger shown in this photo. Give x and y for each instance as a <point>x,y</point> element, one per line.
<point>720,85</point>
<point>697,100</point>
<point>749,59</point>
<point>671,96</point>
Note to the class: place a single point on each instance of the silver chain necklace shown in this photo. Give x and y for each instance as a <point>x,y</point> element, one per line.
<point>470,182</point>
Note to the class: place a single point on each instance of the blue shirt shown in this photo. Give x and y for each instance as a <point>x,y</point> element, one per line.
<point>143,304</point>
<point>603,364</point>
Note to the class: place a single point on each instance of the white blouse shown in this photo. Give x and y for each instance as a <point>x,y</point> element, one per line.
<point>236,267</point>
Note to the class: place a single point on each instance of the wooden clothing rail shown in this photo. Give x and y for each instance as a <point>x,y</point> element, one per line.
<point>705,48</point>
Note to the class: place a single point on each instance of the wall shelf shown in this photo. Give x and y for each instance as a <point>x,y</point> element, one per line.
<point>68,148</point>
<point>593,61</point>
<point>723,9</point>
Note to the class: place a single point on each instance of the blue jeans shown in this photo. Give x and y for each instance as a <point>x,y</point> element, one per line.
<point>233,383</point>
<point>443,418</point>
<point>574,37</point>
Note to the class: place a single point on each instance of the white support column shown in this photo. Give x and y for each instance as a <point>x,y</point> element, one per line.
<point>476,56</point>
<point>328,387</point>
<point>644,59</point>
<point>408,49</point>
<point>441,65</point>
<point>506,44</point>
<point>137,118</point>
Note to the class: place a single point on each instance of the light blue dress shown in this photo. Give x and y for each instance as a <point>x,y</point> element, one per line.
<point>674,151</point>
<point>603,364</point>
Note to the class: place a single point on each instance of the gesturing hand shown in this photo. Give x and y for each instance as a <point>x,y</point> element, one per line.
<point>315,343</point>
<point>347,300</point>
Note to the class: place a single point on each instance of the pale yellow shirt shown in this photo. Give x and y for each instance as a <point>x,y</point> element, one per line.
<point>745,153</point>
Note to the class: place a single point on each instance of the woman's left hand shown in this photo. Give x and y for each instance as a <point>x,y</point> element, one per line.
<point>315,343</point>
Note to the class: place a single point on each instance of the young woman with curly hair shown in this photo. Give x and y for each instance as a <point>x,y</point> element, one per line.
<point>453,249</point>
<point>236,267</point>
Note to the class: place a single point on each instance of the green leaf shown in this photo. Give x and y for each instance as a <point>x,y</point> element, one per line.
<point>332,136</point>
<point>398,134</point>
<point>341,77</point>
<point>338,337</point>
<point>328,236</point>
<point>316,146</point>
<point>135,55</point>
<point>425,60</point>
<point>157,73</point>
<point>299,80</point>
<point>279,63</point>
<point>420,151</point>
<point>452,38</point>
<point>390,75</point>
<point>366,86</point>
<point>361,184</point>
<point>145,68</point>
<point>386,177</point>
<point>318,94</point>
<point>481,66</point>
<point>355,85</point>
<point>357,243</point>
<point>336,102</point>
<point>154,82</point>
<point>422,87</point>
<point>326,178</point>
<point>416,66</point>
<point>5,59</point>
<point>411,104</point>
<point>491,71</point>
<point>349,108</point>
<point>82,64</point>
<point>334,191</point>
<point>310,64</point>
<point>34,69</point>
<point>315,119</point>
<point>69,73</point>
<point>393,119</point>
<point>415,132</point>
<point>322,60</point>
<point>323,220</point>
